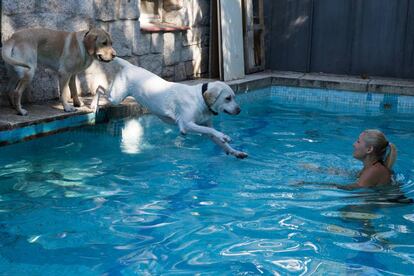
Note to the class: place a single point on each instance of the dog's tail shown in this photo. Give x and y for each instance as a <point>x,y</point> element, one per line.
<point>6,53</point>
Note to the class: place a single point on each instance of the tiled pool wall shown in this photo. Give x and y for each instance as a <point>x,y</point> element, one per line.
<point>29,132</point>
<point>331,99</point>
<point>335,100</point>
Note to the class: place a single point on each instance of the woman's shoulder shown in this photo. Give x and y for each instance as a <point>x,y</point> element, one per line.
<point>375,175</point>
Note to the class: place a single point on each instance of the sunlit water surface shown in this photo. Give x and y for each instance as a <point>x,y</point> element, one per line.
<point>135,197</point>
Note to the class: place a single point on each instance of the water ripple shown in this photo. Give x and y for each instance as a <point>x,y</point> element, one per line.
<point>268,247</point>
<point>367,246</point>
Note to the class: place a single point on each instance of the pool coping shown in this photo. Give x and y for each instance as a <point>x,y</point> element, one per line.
<point>49,118</point>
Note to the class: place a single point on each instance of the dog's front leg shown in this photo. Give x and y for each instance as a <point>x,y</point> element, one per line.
<point>219,138</point>
<point>74,92</point>
<point>65,92</point>
<point>209,131</point>
<point>228,149</point>
<point>225,146</point>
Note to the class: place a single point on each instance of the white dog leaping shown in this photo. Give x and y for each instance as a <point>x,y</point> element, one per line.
<point>190,107</point>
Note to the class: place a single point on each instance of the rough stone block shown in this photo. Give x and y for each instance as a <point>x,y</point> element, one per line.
<point>172,48</point>
<point>157,43</point>
<point>189,69</point>
<point>168,72</point>
<point>3,84</point>
<point>105,10</point>
<point>172,57</point>
<point>73,7</point>
<point>152,63</point>
<point>12,7</point>
<point>68,22</point>
<point>11,24</point>
<point>73,24</point>
<point>129,9</point>
<point>169,41</point>
<point>179,72</point>
<point>191,53</point>
<point>142,43</point>
<point>134,60</point>
<point>45,85</point>
<point>122,33</point>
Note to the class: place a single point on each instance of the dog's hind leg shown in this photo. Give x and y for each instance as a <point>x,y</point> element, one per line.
<point>11,85</point>
<point>74,92</point>
<point>20,78</point>
<point>16,97</point>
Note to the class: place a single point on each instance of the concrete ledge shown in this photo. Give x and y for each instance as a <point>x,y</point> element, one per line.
<point>333,82</point>
<point>49,118</point>
<point>391,86</point>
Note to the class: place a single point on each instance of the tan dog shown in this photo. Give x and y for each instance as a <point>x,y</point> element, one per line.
<point>67,53</point>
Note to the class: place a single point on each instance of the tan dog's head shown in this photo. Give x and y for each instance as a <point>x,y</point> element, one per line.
<point>98,43</point>
<point>221,98</point>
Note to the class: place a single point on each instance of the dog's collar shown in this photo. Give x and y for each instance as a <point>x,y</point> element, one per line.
<point>203,90</point>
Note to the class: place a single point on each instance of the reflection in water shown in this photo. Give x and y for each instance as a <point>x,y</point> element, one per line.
<point>132,134</point>
<point>372,240</point>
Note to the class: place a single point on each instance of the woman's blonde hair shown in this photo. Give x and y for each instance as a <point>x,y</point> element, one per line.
<point>380,144</point>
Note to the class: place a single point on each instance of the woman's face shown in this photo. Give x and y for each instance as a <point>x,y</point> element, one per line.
<point>360,148</point>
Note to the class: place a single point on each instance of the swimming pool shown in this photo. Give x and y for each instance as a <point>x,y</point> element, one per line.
<point>135,197</point>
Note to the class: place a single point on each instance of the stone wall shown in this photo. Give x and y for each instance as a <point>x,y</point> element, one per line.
<point>175,56</point>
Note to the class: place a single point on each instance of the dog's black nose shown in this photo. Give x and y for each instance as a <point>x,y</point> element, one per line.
<point>237,110</point>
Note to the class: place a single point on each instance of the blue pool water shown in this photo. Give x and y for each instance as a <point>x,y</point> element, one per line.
<point>135,198</point>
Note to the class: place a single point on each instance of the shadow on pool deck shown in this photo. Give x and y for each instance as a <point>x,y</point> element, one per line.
<point>48,117</point>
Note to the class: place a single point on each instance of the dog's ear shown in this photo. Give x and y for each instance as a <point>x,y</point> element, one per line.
<point>211,95</point>
<point>89,41</point>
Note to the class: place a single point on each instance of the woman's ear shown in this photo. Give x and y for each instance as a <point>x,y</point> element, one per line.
<point>370,149</point>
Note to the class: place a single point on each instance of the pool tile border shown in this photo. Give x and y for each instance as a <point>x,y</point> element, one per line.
<point>31,131</point>
<point>30,127</point>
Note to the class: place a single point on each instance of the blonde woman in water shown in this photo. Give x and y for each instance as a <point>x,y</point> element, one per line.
<point>375,152</point>
<point>378,156</point>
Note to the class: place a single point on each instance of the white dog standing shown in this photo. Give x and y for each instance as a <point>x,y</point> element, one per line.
<point>190,107</point>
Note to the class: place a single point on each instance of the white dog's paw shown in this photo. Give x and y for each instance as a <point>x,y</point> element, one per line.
<point>69,108</point>
<point>22,112</point>
<point>240,154</point>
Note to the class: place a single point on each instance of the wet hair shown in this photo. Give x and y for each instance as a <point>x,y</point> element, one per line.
<point>384,150</point>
